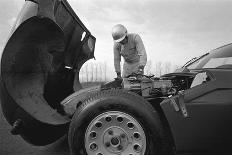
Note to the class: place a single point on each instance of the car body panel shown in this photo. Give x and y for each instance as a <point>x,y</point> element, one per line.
<point>209,108</point>
<point>39,64</point>
<point>71,102</point>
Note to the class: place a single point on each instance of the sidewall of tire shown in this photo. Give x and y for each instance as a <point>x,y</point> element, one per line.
<point>133,105</point>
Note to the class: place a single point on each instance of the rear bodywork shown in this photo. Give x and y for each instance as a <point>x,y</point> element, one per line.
<point>40,67</point>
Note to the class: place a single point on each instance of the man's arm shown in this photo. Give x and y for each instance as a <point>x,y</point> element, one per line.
<point>141,51</point>
<point>117,59</point>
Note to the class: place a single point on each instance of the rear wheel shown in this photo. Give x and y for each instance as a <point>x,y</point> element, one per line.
<point>116,122</point>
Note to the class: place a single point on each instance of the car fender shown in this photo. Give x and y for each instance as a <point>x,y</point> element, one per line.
<point>71,103</point>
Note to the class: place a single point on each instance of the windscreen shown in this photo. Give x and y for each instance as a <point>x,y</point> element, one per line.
<point>218,58</point>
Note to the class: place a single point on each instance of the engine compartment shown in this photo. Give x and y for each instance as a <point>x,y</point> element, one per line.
<point>158,87</point>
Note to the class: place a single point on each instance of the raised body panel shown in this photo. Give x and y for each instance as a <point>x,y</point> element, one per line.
<point>34,78</point>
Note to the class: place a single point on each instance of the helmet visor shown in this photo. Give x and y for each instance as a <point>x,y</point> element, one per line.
<point>120,39</point>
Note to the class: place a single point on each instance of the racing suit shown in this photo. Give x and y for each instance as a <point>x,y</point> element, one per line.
<point>134,55</point>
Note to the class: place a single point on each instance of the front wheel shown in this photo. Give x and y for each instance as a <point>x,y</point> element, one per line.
<point>116,122</point>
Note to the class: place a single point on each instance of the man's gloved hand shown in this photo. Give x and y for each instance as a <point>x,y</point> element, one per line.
<point>118,75</point>
<point>140,70</point>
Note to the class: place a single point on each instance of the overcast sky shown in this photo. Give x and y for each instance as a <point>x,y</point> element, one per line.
<point>172,30</point>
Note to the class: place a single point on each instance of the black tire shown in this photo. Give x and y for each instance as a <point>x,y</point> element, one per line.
<point>126,102</point>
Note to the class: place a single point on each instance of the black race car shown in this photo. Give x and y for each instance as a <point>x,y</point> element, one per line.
<point>188,110</point>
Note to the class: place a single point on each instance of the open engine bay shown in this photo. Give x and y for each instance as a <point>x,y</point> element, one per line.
<point>154,87</point>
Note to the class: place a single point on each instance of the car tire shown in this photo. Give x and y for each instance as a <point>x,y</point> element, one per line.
<point>114,110</point>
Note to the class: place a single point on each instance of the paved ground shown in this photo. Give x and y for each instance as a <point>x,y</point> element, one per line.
<point>10,144</point>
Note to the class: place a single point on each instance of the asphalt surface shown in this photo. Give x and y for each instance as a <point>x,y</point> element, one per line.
<point>10,144</point>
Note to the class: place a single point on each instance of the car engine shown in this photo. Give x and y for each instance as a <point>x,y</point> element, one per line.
<point>153,87</point>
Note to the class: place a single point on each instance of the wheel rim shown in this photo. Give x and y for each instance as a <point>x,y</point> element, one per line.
<point>115,132</point>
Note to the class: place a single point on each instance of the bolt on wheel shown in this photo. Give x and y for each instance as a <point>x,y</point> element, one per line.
<point>115,133</point>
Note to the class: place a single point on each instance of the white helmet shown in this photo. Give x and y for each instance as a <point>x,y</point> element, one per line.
<point>119,32</point>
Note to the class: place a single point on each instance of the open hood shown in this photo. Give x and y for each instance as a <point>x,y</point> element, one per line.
<point>41,59</point>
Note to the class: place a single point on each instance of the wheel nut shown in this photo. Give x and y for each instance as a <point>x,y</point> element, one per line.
<point>115,141</point>
<point>120,147</point>
<point>123,136</point>
<point>93,146</point>
<point>110,132</point>
<point>107,144</point>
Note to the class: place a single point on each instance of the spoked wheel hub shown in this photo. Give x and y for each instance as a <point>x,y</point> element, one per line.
<point>114,133</point>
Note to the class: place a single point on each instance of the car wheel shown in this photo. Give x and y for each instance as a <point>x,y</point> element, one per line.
<point>116,122</point>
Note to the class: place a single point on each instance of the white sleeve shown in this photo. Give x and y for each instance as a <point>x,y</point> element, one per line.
<point>117,58</point>
<point>141,50</point>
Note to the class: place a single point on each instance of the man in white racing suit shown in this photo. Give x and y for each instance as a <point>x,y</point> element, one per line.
<point>130,47</point>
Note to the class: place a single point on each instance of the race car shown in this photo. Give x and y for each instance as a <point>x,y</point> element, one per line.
<point>187,110</point>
